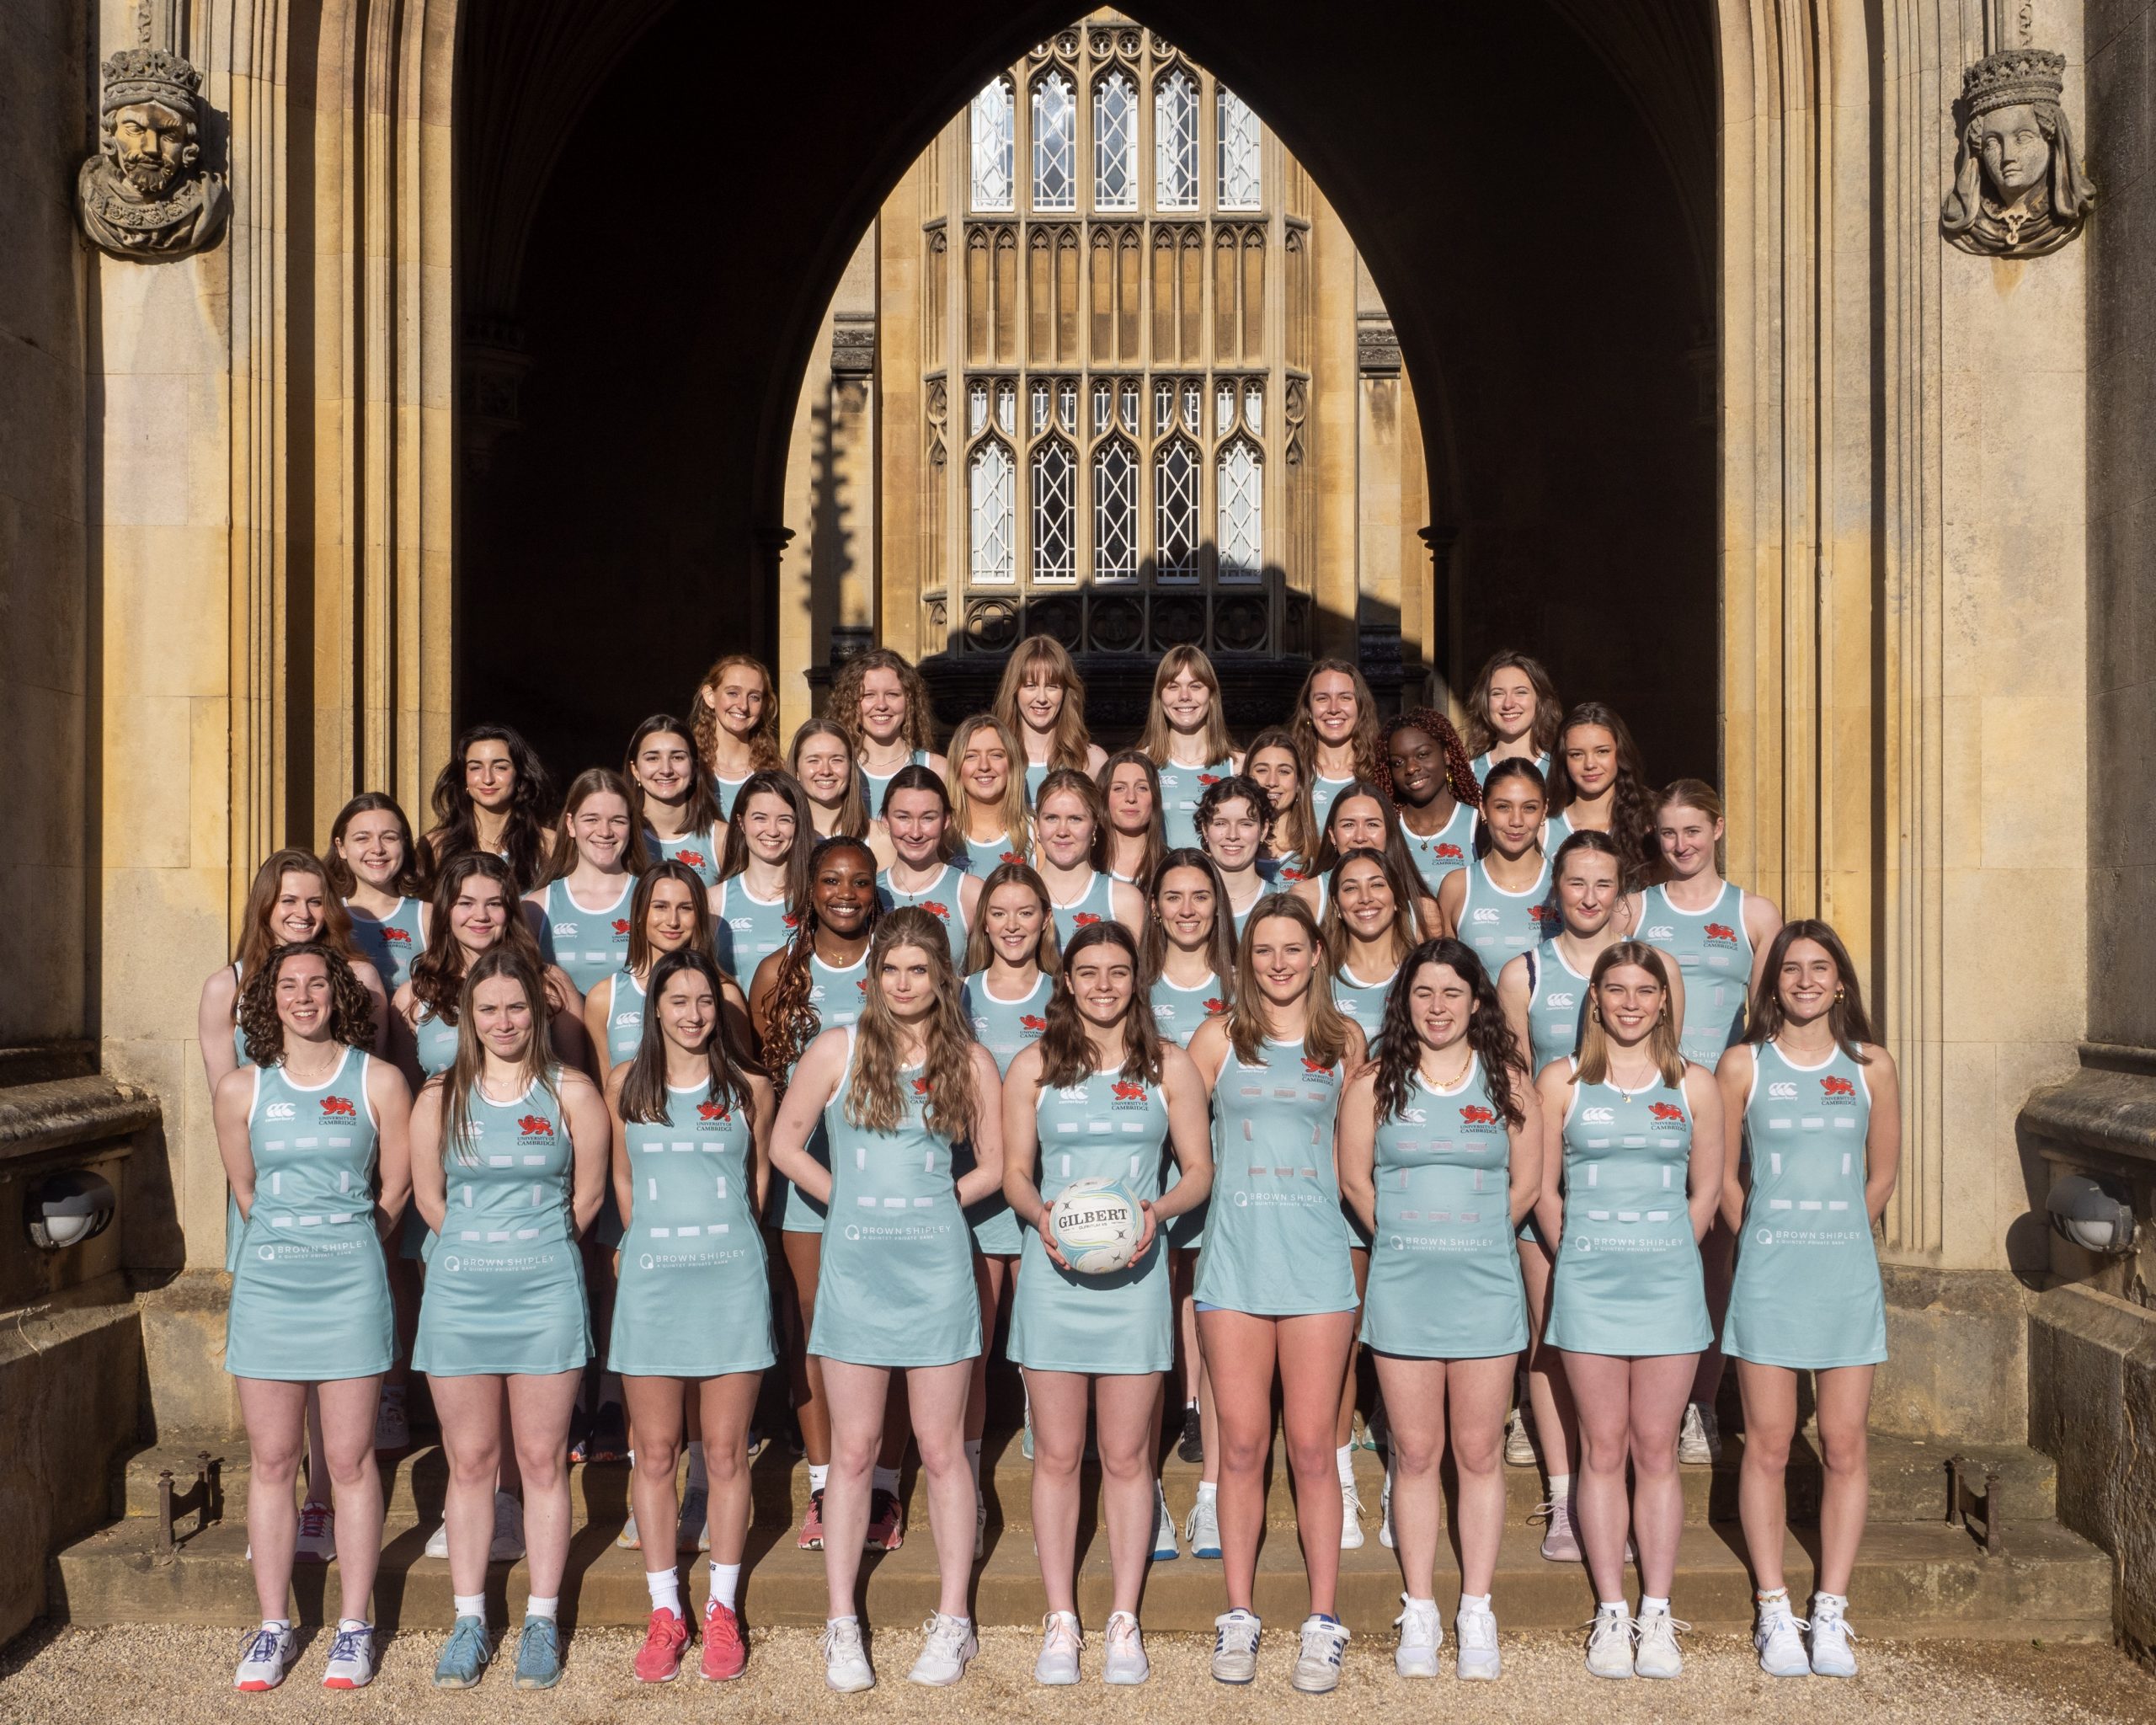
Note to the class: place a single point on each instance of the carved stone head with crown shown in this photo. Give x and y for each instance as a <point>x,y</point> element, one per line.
<point>2018,191</point>
<point>142,193</point>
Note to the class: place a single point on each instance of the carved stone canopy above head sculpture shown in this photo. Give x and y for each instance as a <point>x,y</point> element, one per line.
<point>2018,191</point>
<point>144,195</point>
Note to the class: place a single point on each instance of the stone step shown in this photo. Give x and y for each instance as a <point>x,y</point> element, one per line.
<point>1908,1484</point>
<point>1911,1580</point>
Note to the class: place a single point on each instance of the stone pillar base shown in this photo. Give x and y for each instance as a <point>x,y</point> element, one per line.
<point>183,1356</point>
<point>1957,1350</point>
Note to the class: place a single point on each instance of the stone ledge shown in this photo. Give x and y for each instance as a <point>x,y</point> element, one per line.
<point>2109,1108</point>
<point>40,1119</point>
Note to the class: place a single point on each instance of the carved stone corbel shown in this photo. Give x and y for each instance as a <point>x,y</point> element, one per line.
<point>2018,191</point>
<point>144,195</point>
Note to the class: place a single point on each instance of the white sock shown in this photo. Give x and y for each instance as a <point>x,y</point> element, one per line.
<point>1207,1490</point>
<point>1611,1608</point>
<point>665,1587</point>
<point>820,1475</point>
<point>725,1583</point>
<point>1839,1603</point>
<point>1772,1601</point>
<point>470,1605</point>
<point>345,1624</point>
<point>1561,1488</point>
<point>1190,1404</point>
<point>848,1618</point>
<point>887,1480</point>
<point>972,1460</point>
<point>1650,1606</point>
<point>536,1607</point>
<point>699,1478</point>
<point>1345,1455</point>
<point>1475,1602</point>
<point>277,1623</point>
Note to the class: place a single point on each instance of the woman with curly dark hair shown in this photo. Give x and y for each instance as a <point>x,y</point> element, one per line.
<point>1423,767</point>
<point>733,722</point>
<point>492,794</point>
<point>883,706</point>
<point>1441,1154</point>
<point>1599,786</point>
<point>305,1130</point>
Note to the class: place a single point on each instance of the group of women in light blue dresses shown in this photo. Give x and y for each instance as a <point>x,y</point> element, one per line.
<point>1457,1052</point>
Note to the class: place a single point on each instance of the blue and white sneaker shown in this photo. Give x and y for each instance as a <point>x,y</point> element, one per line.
<point>1165,1548</point>
<point>266,1660</point>
<point>1235,1646</point>
<point>351,1656</point>
<point>539,1654</point>
<point>464,1660</point>
<point>1317,1665</point>
<point>1201,1532</point>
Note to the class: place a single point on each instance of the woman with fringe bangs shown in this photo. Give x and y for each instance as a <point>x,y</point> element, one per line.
<point>494,794</point>
<point>1235,818</point>
<point>894,1093</point>
<point>1042,701</point>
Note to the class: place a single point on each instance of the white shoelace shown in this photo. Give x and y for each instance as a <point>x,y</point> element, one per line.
<point>1477,1630</point>
<point>947,1635</point>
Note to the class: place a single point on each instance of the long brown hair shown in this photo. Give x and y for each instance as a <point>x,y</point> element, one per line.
<point>1406,927</point>
<point>1220,948</point>
<point>462,1077</point>
<point>1631,800</point>
<point>703,804</point>
<point>914,776</point>
<point>643,1094</point>
<point>351,1007</point>
<point>1065,781</point>
<point>412,879</point>
<point>1482,733</point>
<point>1156,833</point>
<point>788,1010</point>
<point>1395,841</point>
<point>1662,1039</point>
<point>256,940</point>
<point>641,955</point>
<point>1459,768</point>
<point>1159,735</point>
<point>1400,1049</point>
<point>595,781</point>
<point>772,781</point>
<point>1325,1026</point>
<point>1362,741</point>
<point>1846,1017</point>
<point>455,828</point>
<point>872,1101</point>
<point>1017,814</point>
<point>704,716</point>
<point>853,807</point>
<point>979,953</point>
<point>437,977</point>
<point>1295,827</point>
<point>917,732</point>
<point>1519,766</point>
<point>1072,743</point>
<point>1067,1050</point>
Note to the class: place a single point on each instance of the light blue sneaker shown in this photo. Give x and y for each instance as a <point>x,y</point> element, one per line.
<point>465,1658</point>
<point>539,1654</point>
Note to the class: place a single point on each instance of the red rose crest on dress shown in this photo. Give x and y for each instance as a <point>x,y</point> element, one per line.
<point>1125,1091</point>
<point>395,936</point>
<point>535,1126</point>
<point>338,1105</point>
<point>1085,918</point>
<point>1543,913</point>
<point>1474,1116</point>
<point>1028,1021</point>
<point>1214,1005</point>
<point>936,910</point>
<point>621,925</point>
<point>1720,930</point>
<point>695,859</point>
<point>712,1111</point>
<point>1011,857</point>
<point>1665,1111</point>
<point>792,919</point>
<point>1311,1066</point>
<point>921,1087</point>
<point>1838,1087</point>
<point>1451,853</point>
<point>1208,778</point>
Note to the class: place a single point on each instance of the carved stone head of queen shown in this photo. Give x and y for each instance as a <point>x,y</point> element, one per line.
<point>2018,191</point>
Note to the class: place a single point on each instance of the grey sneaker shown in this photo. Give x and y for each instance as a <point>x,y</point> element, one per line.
<point>1235,1646</point>
<point>1164,1549</point>
<point>1656,1655</point>
<point>1699,1440</point>
<point>1317,1664</point>
<point>1519,1448</point>
<point>1125,1661</point>
<point>692,1527</point>
<point>1560,1540</point>
<point>266,1658</point>
<point>509,1530</point>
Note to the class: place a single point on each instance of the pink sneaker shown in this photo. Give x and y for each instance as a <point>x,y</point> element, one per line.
<point>726,1655</point>
<point>659,1659</point>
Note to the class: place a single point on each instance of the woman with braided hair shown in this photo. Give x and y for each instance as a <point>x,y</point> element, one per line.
<point>1423,766</point>
<point>1512,710</point>
<point>733,722</point>
<point>1599,786</point>
<point>1336,730</point>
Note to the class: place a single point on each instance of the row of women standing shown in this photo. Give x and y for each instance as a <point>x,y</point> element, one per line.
<point>1451,1049</point>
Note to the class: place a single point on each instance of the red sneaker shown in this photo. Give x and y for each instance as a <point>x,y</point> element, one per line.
<point>726,1655</point>
<point>812,1525</point>
<point>887,1529</point>
<point>659,1659</point>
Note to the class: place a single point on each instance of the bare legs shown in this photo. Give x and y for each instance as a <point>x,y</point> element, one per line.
<point>276,1415</point>
<point>725,1406</point>
<point>1415,1392</point>
<point>1770,1392</point>
<point>992,1277</point>
<point>1718,1267</point>
<point>1182,1268</point>
<point>858,1395</point>
<point>1343,1427</point>
<point>472,1438</point>
<point>1128,1419</point>
<point>805,1258</point>
<point>1630,1409</point>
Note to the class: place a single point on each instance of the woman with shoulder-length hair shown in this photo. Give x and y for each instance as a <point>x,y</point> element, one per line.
<point>1631,1178</point>
<point>895,1092</point>
<point>1598,785</point>
<point>1104,1340</point>
<point>1070,852</point>
<point>305,1130</point>
<point>1336,730</point>
<point>1362,818</point>
<point>672,798</point>
<point>1500,903</point>
<point>883,704</point>
<point>494,794</point>
<point>929,867</point>
<point>579,914</point>
<point>691,1249</point>
<point>1276,1289</point>
<point>994,817</point>
<point>1235,818</point>
<point>1130,790</point>
<point>1513,710</point>
<point>375,867</point>
<point>1819,1100</point>
<point>670,912</point>
<point>821,758</point>
<point>763,874</point>
<point>1423,769</point>
<point>1041,701</point>
<point>1186,738</point>
<point>510,1153</point>
<point>733,722</point>
<point>1441,1153</point>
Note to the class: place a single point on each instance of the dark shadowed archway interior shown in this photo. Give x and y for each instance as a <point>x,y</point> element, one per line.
<point>1526,184</point>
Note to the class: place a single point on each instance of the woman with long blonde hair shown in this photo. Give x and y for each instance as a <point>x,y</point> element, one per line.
<point>1512,710</point>
<point>883,705</point>
<point>1186,738</point>
<point>994,816</point>
<point>895,1092</point>
<point>579,914</point>
<point>1276,1289</point>
<point>1631,1179</point>
<point>1042,701</point>
<point>1336,730</point>
<point>733,722</point>
<point>1130,790</point>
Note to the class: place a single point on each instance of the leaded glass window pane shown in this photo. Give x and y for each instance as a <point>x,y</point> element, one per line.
<point>1115,514</point>
<point>1254,407</point>
<point>1174,512</point>
<point>1131,408</point>
<point>1164,408</point>
<point>1103,407</point>
<point>1241,152</point>
<point>1055,144</point>
<point>1066,406</point>
<point>976,409</point>
<point>1055,516</point>
<point>1007,406</point>
<point>1115,144</point>
<point>1223,408</point>
<point>1192,399</point>
<point>1242,513</point>
<point>1174,142</point>
<point>990,517</point>
<point>1040,408</point>
<point>993,146</point>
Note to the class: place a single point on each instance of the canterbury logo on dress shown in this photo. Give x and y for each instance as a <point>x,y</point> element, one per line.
<point>1557,1000</point>
<point>1486,915</point>
<point>1722,932</point>
<point>279,1111</point>
<point>621,1019</point>
<point>535,1126</point>
<point>1782,1092</point>
<point>1661,930</point>
<point>338,1105</point>
<point>1598,1117</point>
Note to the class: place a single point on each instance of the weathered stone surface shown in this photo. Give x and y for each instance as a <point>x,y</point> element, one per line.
<point>1955,1345</point>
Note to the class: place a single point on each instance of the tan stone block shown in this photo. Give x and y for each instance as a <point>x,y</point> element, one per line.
<point>210,767</point>
<point>166,610</point>
<point>145,782</point>
<point>2029,744</point>
<point>164,930</point>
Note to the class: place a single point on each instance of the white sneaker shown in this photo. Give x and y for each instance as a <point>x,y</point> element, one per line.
<point>692,1527</point>
<point>1201,1532</point>
<point>393,1426</point>
<point>438,1541</point>
<point>1060,1640</point>
<point>1657,1655</point>
<point>1235,1646</point>
<point>1780,1637</point>
<point>266,1660</point>
<point>1351,1517</point>
<point>1832,1655</point>
<point>1519,1448</point>
<point>947,1649</point>
<point>1560,1540</point>
<point>509,1530</point>
<point>351,1659</point>
<point>846,1661</point>
<point>1699,1440</point>
<point>1125,1661</point>
<point>1164,1549</point>
<point>630,1537</point>
<point>1384,1511</point>
<point>1317,1665</point>
<point>1421,1635</point>
<point>317,1536</point>
<point>1610,1644</point>
<point>1477,1627</point>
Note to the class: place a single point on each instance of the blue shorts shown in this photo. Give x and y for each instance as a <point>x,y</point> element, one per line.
<point>1205,1306</point>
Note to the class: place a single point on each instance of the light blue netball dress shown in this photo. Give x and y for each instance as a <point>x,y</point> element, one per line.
<point>699,851</point>
<point>694,1300</point>
<point>1806,1294</point>
<point>1715,952</point>
<point>1005,1028</point>
<point>727,790</point>
<point>1096,904</point>
<point>1241,918</point>
<point>1178,1012</point>
<point>1444,1274</point>
<point>588,944</point>
<point>1037,772</point>
<point>1556,998</point>
<point>1627,1281</point>
<point>746,930</point>
<point>1181,789</point>
<point>939,899</point>
<point>836,995</point>
<point>1323,792</point>
<point>390,943</point>
<point>1276,1243</point>
<point>1287,869</point>
<point>1438,853</point>
<point>1363,1001</point>
<point>1103,1127</point>
<point>309,1297</point>
<point>984,856</point>
<point>1501,925</point>
<point>1481,765</point>
<point>624,1018</point>
<point>504,1289</point>
<point>896,1285</point>
<point>874,785</point>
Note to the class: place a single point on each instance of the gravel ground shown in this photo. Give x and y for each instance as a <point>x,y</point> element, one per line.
<point>176,1676</point>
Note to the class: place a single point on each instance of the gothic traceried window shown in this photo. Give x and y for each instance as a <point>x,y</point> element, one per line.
<point>993,147</point>
<point>1241,511</point>
<point>1241,152</point>
<point>1055,526</point>
<point>1115,143</point>
<point>1055,144</point>
<point>1115,512</point>
<point>1175,509</point>
<point>1174,142</point>
<point>990,541</point>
